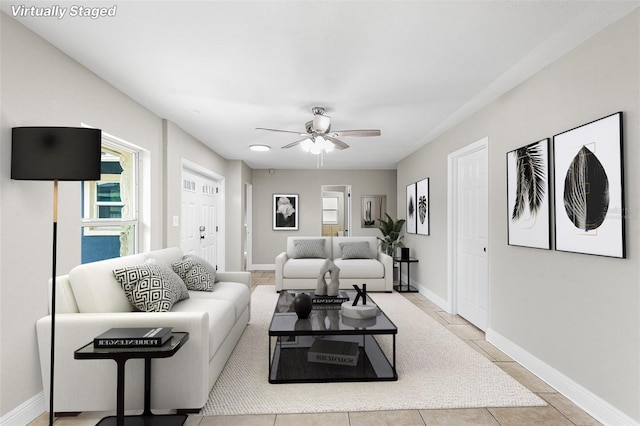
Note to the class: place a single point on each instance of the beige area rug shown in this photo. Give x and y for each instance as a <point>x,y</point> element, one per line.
<point>435,370</point>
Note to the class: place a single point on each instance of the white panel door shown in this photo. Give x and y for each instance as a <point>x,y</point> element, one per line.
<point>199,217</point>
<point>472,237</point>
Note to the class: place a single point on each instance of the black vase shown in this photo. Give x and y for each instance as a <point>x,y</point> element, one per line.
<point>302,305</point>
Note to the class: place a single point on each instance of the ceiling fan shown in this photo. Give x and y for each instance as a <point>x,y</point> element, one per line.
<point>319,137</point>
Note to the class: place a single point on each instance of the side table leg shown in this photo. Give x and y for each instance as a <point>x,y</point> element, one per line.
<point>120,392</point>
<point>147,387</point>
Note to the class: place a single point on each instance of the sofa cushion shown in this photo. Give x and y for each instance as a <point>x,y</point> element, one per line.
<point>97,290</point>
<point>308,248</point>
<point>151,287</point>
<point>221,317</point>
<point>166,256</point>
<point>356,250</point>
<point>237,294</point>
<point>360,268</point>
<point>197,273</point>
<point>302,268</point>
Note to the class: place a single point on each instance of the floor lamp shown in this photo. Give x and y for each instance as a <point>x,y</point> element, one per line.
<point>55,154</point>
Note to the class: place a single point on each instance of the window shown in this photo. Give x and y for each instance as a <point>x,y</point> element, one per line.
<point>109,206</point>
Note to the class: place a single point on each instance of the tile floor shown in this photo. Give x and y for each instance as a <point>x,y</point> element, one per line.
<point>560,410</point>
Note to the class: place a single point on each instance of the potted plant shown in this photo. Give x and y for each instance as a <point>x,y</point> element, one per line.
<point>391,232</point>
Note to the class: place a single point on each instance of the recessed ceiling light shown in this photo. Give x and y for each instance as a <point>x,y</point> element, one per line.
<point>259,147</point>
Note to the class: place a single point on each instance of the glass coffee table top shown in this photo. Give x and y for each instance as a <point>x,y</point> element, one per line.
<point>295,357</point>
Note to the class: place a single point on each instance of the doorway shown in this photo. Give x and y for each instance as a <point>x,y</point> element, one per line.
<point>468,233</point>
<point>336,210</point>
<point>202,207</point>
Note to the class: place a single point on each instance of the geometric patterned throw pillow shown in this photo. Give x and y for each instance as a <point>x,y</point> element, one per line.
<point>197,273</point>
<point>151,287</point>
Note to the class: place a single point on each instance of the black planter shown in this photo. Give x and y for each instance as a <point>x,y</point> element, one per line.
<point>302,305</point>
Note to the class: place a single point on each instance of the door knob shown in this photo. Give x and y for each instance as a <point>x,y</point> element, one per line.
<point>202,228</point>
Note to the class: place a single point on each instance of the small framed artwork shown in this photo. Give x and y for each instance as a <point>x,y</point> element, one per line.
<point>528,199</point>
<point>285,212</point>
<point>422,200</point>
<point>411,208</point>
<point>589,193</point>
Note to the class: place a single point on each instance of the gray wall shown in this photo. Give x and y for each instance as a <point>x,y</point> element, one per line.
<point>41,86</point>
<point>267,243</point>
<point>578,314</point>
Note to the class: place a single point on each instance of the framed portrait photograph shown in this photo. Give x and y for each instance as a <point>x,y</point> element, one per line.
<point>528,198</point>
<point>589,192</point>
<point>411,209</point>
<point>422,202</point>
<point>285,212</point>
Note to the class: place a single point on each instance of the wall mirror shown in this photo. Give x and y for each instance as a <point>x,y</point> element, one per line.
<point>373,208</point>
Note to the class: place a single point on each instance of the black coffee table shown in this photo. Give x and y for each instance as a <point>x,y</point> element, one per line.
<point>290,339</point>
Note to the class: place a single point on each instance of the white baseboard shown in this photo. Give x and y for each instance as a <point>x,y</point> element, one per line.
<point>26,412</point>
<point>442,303</point>
<point>262,267</point>
<point>595,406</point>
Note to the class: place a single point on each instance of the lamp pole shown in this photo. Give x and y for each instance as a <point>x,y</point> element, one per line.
<point>53,298</point>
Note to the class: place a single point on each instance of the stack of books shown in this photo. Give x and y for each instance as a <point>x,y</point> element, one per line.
<point>133,337</point>
<point>329,300</point>
<point>334,352</point>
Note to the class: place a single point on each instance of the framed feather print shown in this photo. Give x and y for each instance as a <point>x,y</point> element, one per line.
<point>411,208</point>
<point>528,198</point>
<point>589,193</point>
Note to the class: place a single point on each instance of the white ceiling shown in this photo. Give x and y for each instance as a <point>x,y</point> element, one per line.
<point>412,69</point>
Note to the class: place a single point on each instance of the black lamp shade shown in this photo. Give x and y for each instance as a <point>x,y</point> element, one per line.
<point>55,153</point>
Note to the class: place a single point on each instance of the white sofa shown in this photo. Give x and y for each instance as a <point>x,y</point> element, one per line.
<point>302,273</point>
<point>91,301</point>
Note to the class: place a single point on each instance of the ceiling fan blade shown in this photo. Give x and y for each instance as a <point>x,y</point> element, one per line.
<point>369,132</point>
<point>338,144</point>
<point>282,131</point>
<point>292,144</point>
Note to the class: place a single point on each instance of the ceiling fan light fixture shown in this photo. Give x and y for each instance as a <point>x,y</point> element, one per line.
<point>306,145</point>
<point>259,147</point>
<point>316,148</point>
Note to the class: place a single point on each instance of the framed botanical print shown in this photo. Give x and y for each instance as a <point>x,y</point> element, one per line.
<point>411,208</point>
<point>528,199</point>
<point>285,212</point>
<point>422,202</point>
<point>589,193</point>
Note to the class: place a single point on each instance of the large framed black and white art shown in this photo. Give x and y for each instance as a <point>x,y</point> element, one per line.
<point>285,212</point>
<point>411,209</point>
<point>422,200</point>
<point>528,198</point>
<point>589,191</point>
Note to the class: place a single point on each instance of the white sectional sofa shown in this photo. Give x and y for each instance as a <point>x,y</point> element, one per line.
<point>373,268</point>
<point>90,301</point>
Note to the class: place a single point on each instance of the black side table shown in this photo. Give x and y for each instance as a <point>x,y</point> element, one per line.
<point>409,288</point>
<point>121,356</point>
